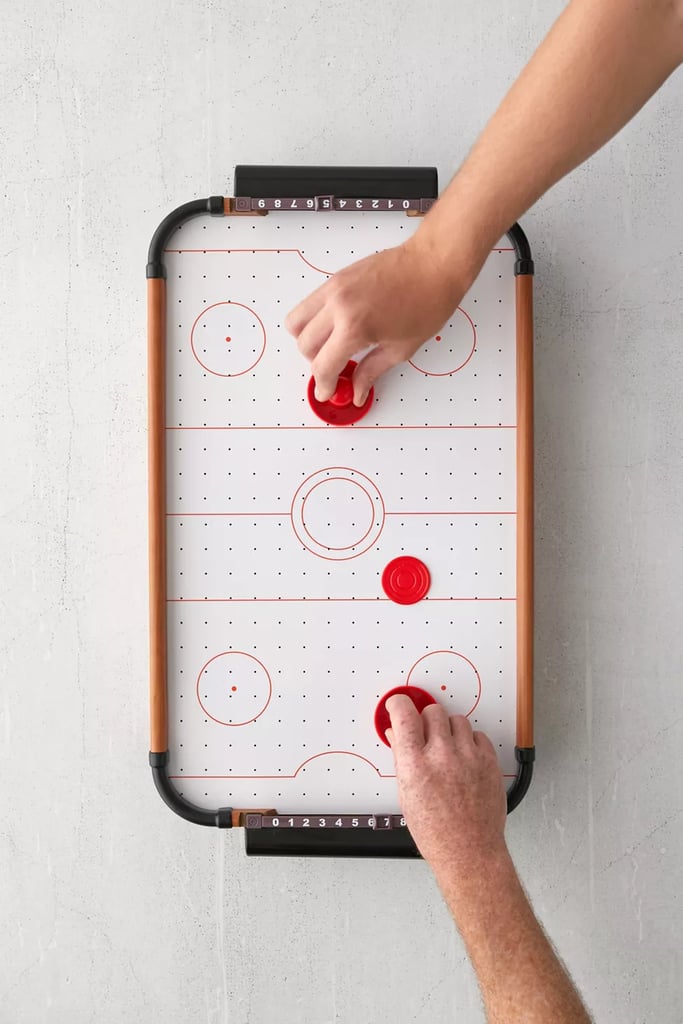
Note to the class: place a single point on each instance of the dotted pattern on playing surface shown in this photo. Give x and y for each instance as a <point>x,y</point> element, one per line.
<point>280,637</point>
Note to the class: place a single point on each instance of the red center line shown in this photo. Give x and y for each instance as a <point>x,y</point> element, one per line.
<point>286,515</point>
<point>440,426</point>
<point>314,600</point>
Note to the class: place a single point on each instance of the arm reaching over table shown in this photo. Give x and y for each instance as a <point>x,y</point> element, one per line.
<point>601,61</point>
<point>452,796</point>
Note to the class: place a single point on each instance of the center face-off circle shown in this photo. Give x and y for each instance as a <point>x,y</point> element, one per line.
<point>337,513</point>
<point>228,339</point>
<point>420,698</point>
<point>234,688</point>
<point>450,350</point>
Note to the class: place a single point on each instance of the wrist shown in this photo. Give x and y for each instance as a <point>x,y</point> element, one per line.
<point>461,228</point>
<point>481,877</point>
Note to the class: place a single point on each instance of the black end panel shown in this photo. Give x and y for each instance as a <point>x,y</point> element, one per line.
<point>260,182</point>
<point>304,842</point>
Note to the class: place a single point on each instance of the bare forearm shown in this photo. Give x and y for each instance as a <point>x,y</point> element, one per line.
<point>600,63</point>
<point>520,976</point>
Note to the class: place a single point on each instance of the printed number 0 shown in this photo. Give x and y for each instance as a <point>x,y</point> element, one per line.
<point>276,822</point>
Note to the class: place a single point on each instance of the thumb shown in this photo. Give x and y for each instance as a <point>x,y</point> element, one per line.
<point>370,369</point>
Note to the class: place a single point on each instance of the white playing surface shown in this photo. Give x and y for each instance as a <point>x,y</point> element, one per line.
<point>280,638</point>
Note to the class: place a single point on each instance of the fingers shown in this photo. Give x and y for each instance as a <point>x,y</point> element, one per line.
<point>436,723</point>
<point>407,728</point>
<point>375,363</point>
<point>297,318</point>
<point>314,335</point>
<point>330,361</point>
<point>461,731</point>
<point>484,743</point>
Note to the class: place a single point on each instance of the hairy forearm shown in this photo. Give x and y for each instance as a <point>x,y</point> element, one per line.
<point>520,976</point>
<point>601,61</point>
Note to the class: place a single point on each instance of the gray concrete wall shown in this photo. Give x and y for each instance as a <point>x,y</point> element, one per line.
<point>114,910</point>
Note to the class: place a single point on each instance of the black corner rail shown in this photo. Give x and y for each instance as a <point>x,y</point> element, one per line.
<point>214,205</point>
<point>220,818</point>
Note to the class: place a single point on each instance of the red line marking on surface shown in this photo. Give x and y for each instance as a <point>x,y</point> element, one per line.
<point>354,473</point>
<point>250,515</point>
<point>344,479</point>
<point>406,426</point>
<point>288,778</point>
<point>214,305</point>
<point>451,513</point>
<point>284,515</point>
<point>457,654</point>
<point>315,600</point>
<point>205,251</point>
<point>324,753</point>
<point>449,373</point>
<point>247,721</point>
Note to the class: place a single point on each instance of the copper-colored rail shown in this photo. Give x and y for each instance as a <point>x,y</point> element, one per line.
<point>156,335</point>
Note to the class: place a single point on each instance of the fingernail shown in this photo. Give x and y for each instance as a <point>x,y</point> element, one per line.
<point>361,400</point>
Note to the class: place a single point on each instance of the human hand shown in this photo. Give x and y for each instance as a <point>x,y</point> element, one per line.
<point>450,786</point>
<point>393,301</point>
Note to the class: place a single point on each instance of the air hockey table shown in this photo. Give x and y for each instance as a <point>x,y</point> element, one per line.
<point>305,561</point>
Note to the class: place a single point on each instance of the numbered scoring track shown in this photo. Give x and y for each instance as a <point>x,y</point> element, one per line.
<point>324,203</point>
<point>377,823</point>
<point>281,639</point>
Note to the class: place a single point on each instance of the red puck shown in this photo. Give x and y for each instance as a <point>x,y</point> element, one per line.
<point>339,410</point>
<point>420,698</point>
<point>406,580</point>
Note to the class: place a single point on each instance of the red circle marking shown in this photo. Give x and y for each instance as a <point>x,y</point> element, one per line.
<point>420,698</point>
<point>447,373</point>
<point>339,410</point>
<point>230,339</point>
<point>381,514</point>
<point>457,655</point>
<point>234,688</point>
<point>232,725</point>
<point>437,338</point>
<point>406,580</point>
<point>344,479</point>
<point>241,306</point>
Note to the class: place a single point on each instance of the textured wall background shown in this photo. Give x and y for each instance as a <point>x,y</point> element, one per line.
<point>114,910</point>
